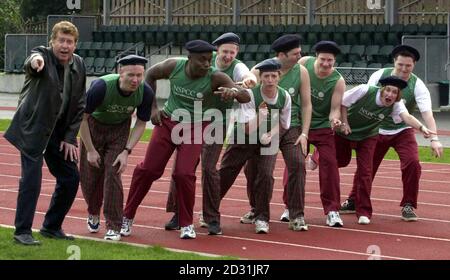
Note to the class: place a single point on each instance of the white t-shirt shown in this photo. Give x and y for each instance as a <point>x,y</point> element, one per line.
<point>421,94</point>
<point>247,111</point>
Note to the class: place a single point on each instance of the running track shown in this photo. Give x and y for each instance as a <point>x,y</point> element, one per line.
<point>387,237</point>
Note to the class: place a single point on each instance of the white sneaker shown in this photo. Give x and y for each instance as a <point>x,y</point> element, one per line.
<point>188,232</point>
<point>248,218</point>
<point>310,163</point>
<point>298,224</point>
<point>201,221</point>
<point>334,220</point>
<point>126,226</point>
<point>285,216</point>
<point>112,235</point>
<point>261,226</point>
<point>363,220</point>
<point>93,223</point>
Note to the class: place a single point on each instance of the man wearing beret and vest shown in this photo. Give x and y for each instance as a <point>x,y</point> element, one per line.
<point>400,136</point>
<point>193,82</point>
<point>327,88</point>
<point>107,142</point>
<point>225,61</point>
<point>364,108</point>
<point>259,125</point>
<point>293,143</point>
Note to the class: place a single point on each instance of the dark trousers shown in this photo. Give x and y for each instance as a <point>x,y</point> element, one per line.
<point>362,181</point>
<point>67,179</point>
<point>104,183</point>
<point>405,144</point>
<point>159,151</point>
<point>294,187</point>
<point>235,157</point>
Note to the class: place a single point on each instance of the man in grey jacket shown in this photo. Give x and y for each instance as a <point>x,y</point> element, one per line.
<point>45,126</point>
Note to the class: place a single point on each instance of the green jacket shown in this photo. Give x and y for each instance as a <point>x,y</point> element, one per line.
<point>40,102</point>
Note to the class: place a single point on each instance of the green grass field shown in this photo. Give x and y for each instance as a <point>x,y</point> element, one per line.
<point>87,250</point>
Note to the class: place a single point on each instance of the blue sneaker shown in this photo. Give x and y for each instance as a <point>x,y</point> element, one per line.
<point>93,223</point>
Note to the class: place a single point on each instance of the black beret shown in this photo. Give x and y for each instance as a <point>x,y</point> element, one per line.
<point>393,81</point>
<point>199,46</point>
<point>286,43</point>
<point>268,65</point>
<point>132,59</point>
<point>327,47</point>
<point>225,38</point>
<point>403,48</point>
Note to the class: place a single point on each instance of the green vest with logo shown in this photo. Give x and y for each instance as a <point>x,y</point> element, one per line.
<point>186,95</point>
<point>215,100</point>
<point>279,105</point>
<point>321,95</point>
<point>365,116</point>
<point>407,95</point>
<point>115,107</point>
<point>291,82</point>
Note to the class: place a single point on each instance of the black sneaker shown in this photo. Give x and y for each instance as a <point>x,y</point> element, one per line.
<point>348,207</point>
<point>214,228</point>
<point>408,213</point>
<point>173,223</point>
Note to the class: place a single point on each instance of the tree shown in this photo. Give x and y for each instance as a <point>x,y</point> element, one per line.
<point>10,22</point>
<point>38,10</point>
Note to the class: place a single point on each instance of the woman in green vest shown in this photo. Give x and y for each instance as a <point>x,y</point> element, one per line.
<point>363,110</point>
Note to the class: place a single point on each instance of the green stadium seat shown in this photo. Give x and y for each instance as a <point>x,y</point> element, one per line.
<point>440,29</point>
<point>366,35</point>
<point>219,29</point>
<point>425,29</point>
<point>119,33</point>
<point>161,35</point>
<point>356,53</point>
<point>205,33</point>
<point>250,63</point>
<point>241,30</point>
<point>291,28</point>
<point>277,31</point>
<point>381,31</point>
<point>95,47</point>
<point>116,48</point>
<point>394,35</point>
<point>313,36</point>
<point>104,49</point>
<point>110,65</point>
<point>384,55</point>
<point>194,33</point>
<point>327,32</point>
<point>302,30</point>
<point>99,66</point>
<point>89,62</point>
<point>306,50</point>
<point>149,34</point>
<point>370,51</point>
<point>339,35</point>
<point>139,33</point>
<point>411,29</point>
<point>352,37</point>
<point>250,36</point>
